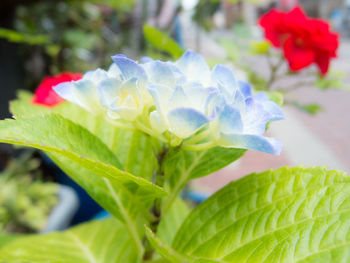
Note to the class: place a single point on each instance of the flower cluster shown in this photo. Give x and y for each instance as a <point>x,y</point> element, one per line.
<point>182,102</point>
<point>45,95</point>
<point>304,40</point>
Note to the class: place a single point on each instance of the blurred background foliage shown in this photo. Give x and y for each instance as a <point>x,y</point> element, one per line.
<point>26,200</point>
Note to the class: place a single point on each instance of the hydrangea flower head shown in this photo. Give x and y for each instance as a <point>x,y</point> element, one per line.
<point>183,103</point>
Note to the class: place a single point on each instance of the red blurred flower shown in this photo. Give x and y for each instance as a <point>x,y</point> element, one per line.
<point>304,40</point>
<point>45,95</point>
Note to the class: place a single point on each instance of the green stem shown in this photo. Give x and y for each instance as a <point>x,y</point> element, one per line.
<point>156,208</point>
<point>198,147</point>
<point>199,137</point>
<point>274,70</point>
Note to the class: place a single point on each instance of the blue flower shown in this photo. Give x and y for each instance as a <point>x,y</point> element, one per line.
<point>181,103</point>
<point>118,91</point>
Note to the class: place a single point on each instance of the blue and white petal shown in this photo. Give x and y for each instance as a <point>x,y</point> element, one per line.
<point>114,71</point>
<point>161,96</point>
<point>230,120</point>
<point>160,73</point>
<point>81,92</point>
<point>194,67</point>
<point>146,59</point>
<point>178,99</point>
<point>269,106</point>
<point>198,95</point>
<point>245,88</point>
<point>129,68</point>
<point>96,76</point>
<point>127,110</point>
<point>184,122</point>
<point>251,142</point>
<point>223,78</point>
<point>108,91</point>
<point>158,122</point>
<point>130,87</point>
<point>255,118</point>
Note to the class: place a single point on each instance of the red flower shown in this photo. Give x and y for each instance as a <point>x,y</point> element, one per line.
<point>304,40</point>
<point>45,95</point>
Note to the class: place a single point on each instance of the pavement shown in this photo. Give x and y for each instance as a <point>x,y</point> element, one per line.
<point>320,140</point>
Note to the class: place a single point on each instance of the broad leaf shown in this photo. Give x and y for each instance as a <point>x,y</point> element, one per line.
<point>161,41</point>
<point>163,249</point>
<point>94,242</point>
<point>57,135</point>
<point>88,161</point>
<point>172,220</point>
<point>183,166</point>
<point>287,215</point>
<point>133,149</point>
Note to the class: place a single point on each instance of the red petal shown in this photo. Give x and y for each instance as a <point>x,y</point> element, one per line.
<point>271,22</point>
<point>323,61</point>
<point>45,95</point>
<point>298,56</point>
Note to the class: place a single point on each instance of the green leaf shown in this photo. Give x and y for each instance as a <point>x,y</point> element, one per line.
<point>94,242</point>
<point>6,238</point>
<point>161,41</point>
<point>55,134</point>
<point>312,108</point>
<point>287,215</point>
<point>88,161</point>
<point>260,48</point>
<point>133,149</point>
<point>18,37</point>
<point>232,49</point>
<point>172,220</point>
<point>183,166</point>
<point>163,249</point>
<point>333,80</point>
<point>275,96</point>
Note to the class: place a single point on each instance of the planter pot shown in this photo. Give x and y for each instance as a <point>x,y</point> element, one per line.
<point>62,214</point>
<point>87,208</point>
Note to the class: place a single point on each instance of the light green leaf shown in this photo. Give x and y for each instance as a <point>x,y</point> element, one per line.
<point>163,249</point>
<point>88,161</point>
<point>288,215</point>
<point>57,135</point>
<point>133,149</point>
<point>172,220</point>
<point>94,242</point>
<point>312,108</point>
<point>333,80</point>
<point>259,48</point>
<point>161,41</point>
<point>18,37</point>
<point>233,51</point>
<point>275,96</point>
<point>183,166</point>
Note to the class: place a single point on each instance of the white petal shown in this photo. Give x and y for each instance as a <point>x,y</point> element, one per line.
<point>184,122</point>
<point>157,122</point>
<point>194,67</point>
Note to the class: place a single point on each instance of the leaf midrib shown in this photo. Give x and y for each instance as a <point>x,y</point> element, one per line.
<point>86,251</point>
